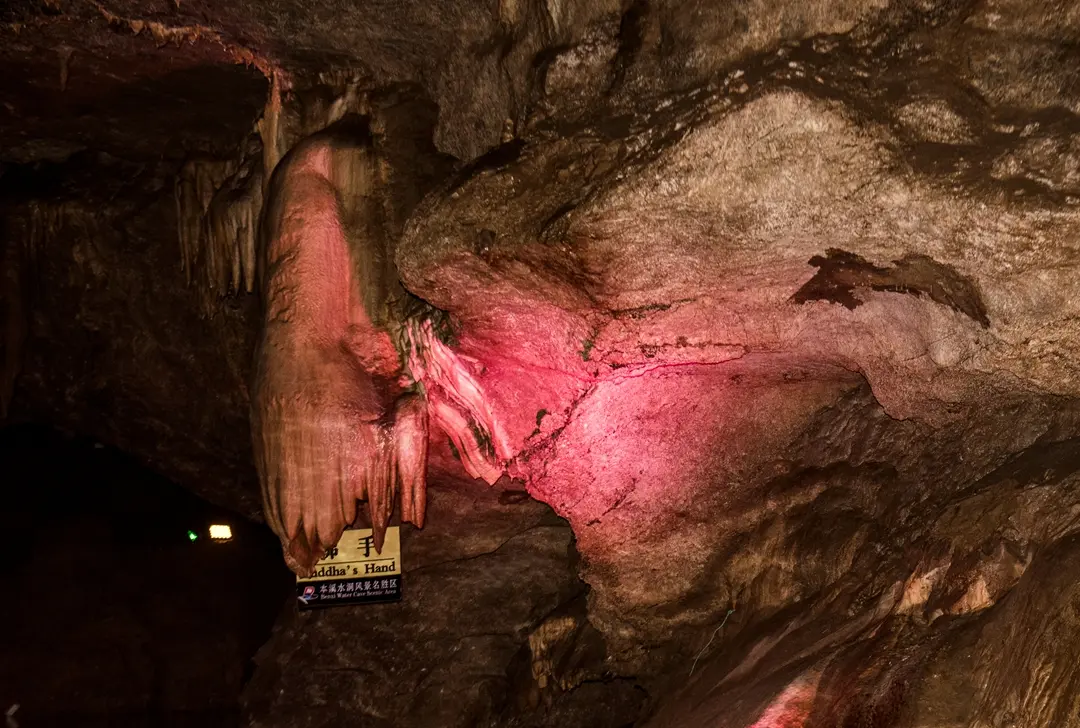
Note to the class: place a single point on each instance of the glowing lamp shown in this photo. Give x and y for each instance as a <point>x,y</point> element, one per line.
<point>192,535</point>
<point>220,532</point>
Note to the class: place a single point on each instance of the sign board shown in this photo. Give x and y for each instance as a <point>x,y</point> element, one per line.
<point>353,573</point>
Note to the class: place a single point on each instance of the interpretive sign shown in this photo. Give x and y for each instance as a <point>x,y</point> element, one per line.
<point>353,573</point>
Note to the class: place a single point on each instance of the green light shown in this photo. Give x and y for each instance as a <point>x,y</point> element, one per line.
<point>192,535</point>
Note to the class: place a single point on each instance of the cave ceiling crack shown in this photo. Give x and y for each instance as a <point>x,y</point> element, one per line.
<point>549,441</point>
<point>640,370</point>
<point>538,447</point>
<point>649,309</point>
<point>650,350</point>
<point>620,497</point>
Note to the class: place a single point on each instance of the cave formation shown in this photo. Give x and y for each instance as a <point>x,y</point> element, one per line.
<point>340,413</point>
<point>718,361</point>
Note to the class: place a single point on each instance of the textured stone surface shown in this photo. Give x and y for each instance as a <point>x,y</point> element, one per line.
<point>117,347</point>
<point>926,641</point>
<point>668,280</point>
<point>458,650</point>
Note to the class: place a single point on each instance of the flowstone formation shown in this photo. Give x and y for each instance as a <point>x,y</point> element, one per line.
<point>339,414</point>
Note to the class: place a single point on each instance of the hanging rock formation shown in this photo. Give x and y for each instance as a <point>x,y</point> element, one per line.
<point>324,417</point>
<point>339,414</point>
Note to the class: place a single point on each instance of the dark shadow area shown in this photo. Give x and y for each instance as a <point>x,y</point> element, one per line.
<point>121,610</point>
<point>840,273</point>
<point>126,97</point>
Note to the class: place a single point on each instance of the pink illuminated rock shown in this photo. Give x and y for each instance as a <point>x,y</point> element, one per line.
<point>457,403</point>
<point>745,350</point>
<point>736,403</point>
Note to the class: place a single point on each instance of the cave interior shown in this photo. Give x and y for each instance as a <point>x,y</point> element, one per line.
<point>700,363</point>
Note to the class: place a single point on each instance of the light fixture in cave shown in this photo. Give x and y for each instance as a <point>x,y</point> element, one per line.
<point>220,532</point>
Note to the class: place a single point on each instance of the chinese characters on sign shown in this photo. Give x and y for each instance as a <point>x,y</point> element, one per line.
<point>354,573</point>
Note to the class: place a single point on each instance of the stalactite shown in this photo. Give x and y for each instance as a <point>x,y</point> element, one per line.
<point>219,202</point>
<point>347,385</point>
<point>65,54</point>
<point>349,101</point>
<point>331,422</point>
<point>218,205</point>
<point>196,184</point>
<point>231,229</point>
<point>411,443</point>
<point>294,110</point>
<point>269,128</point>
